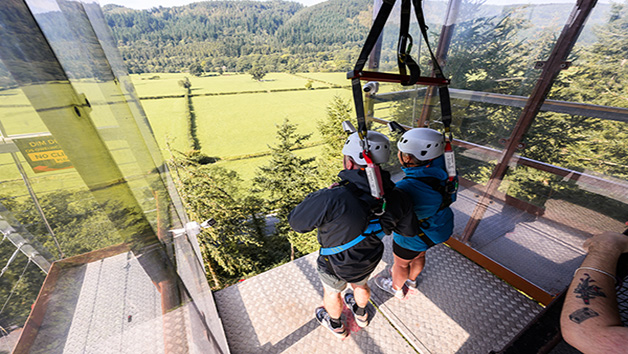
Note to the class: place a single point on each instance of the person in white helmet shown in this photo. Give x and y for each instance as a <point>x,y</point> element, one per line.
<point>350,230</point>
<point>426,181</point>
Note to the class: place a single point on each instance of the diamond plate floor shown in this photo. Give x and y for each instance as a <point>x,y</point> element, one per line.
<point>459,308</point>
<point>545,250</point>
<point>274,313</point>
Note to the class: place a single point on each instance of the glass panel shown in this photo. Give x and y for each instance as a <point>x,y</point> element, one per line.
<point>493,49</point>
<point>570,177</point>
<point>84,181</point>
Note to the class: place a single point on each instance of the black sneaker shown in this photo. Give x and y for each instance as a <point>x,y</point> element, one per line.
<point>325,320</point>
<point>363,320</point>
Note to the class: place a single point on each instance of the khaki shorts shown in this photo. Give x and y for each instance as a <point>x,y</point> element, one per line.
<point>332,283</point>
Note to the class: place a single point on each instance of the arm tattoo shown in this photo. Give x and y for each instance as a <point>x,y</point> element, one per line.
<point>582,315</point>
<point>587,291</point>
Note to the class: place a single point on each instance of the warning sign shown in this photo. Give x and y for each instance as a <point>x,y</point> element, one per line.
<point>43,153</point>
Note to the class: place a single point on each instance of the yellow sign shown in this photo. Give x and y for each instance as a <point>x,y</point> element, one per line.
<point>43,153</point>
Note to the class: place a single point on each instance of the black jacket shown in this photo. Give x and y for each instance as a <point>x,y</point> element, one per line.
<point>342,214</point>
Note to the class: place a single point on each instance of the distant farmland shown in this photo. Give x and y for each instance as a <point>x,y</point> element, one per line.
<point>235,115</point>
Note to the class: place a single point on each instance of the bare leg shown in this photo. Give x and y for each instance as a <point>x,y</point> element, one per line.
<point>416,266</point>
<point>400,271</point>
<point>333,303</point>
<point>362,294</point>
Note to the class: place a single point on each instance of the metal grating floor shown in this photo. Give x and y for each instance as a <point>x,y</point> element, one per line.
<point>543,251</point>
<point>459,308</point>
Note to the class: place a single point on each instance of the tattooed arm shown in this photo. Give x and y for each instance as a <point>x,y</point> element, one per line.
<point>590,318</point>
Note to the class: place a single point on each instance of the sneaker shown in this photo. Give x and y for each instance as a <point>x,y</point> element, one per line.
<point>411,284</point>
<point>386,284</point>
<point>363,320</point>
<point>325,320</point>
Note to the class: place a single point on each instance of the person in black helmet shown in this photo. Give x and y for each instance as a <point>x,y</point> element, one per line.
<point>350,230</point>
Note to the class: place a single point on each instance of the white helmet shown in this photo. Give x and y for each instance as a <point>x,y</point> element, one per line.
<point>379,147</point>
<point>422,143</point>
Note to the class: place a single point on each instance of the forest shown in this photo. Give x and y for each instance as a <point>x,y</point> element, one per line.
<point>281,36</point>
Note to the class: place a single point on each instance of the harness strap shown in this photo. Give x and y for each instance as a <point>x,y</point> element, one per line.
<point>428,241</point>
<point>443,91</point>
<point>404,49</point>
<point>369,44</point>
<point>376,206</point>
<point>373,229</point>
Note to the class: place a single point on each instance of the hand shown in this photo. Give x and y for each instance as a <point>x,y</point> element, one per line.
<point>607,242</point>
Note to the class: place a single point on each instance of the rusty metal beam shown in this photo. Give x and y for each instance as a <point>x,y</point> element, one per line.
<point>561,50</point>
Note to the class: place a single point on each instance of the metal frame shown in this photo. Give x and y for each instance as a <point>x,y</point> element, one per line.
<point>590,110</point>
<point>533,105</point>
<point>551,69</point>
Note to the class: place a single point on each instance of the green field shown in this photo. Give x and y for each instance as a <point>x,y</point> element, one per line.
<point>237,123</point>
<point>167,119</point>
<point>247,168</point>
<point>233,124</point>
<point>156,85</point>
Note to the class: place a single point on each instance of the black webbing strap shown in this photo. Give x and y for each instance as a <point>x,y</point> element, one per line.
<point>375,205</point>
<point>403,59</point>
<point>443,91</point>
<point>428,241</point>
<point>404,48</point>
<point>369,44</point>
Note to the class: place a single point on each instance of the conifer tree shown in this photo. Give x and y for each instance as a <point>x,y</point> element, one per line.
<point>330,161</point>
<point>285,181</point>
<point>233,245</point>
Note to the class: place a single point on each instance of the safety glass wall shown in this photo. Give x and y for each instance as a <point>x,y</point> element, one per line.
<point>567,177</point>
<point>83,184</point>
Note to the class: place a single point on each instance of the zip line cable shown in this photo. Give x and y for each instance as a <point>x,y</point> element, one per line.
<point>15,286</point>
<point>10,261</point>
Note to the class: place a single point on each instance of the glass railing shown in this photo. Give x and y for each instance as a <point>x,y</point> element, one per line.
<point>565,177</point>
<point>86,200</point>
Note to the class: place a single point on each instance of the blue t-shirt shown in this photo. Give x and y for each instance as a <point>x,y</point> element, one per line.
<point>438,225</point>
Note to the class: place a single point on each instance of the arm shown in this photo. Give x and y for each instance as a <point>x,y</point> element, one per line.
<point>399,215</point>
<point>590,319</point>
<point>309,214</point>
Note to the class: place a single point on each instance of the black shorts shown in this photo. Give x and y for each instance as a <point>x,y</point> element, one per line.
<point>404,253</point>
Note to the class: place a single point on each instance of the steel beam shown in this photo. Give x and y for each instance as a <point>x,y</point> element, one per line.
<point>561,50</point>
<point>574,108</point>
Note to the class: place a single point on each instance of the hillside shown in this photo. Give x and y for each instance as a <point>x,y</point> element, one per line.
<point>286,36</point>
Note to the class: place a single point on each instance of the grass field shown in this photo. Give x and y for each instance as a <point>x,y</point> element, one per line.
<point>230,125</point>
<point>236,125</point>
<point>167,118</point>
<point>247,168</point>
<point>168,84</point>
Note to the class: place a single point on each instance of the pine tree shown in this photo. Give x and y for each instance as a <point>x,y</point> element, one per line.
<point>330,161</point>
<point>284,182</point>
<point>232,246</point>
